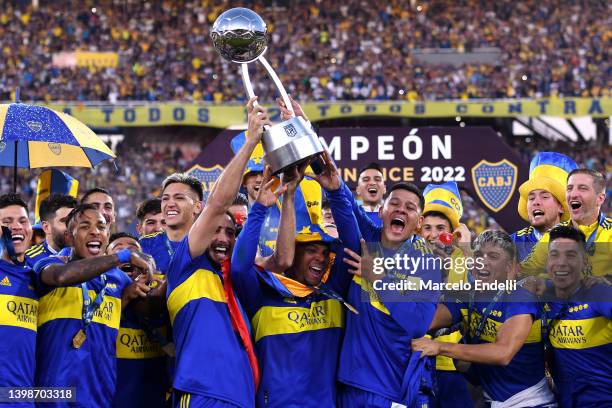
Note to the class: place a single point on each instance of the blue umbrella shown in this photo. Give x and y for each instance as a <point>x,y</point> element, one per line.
<point>36,136</point>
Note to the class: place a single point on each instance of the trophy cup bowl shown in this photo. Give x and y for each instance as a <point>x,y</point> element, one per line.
<point>240,35</point>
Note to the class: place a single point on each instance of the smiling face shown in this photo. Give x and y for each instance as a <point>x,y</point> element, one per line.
<point>151,223</point>
<point>223,240</point>
<point>310,263</point>
<point>401,217</point>
<point>125,243</point>
<point>565,263</point>
<point>179,205</point>
<point>15,217</point>
<point>371,187</point>
<point>543,209</point>
<point>89,234</point>
<point>55,228</point>
<point>252,182</point>
<point>104,203</point>
<point>433,226</point>
<point>583,201</point>
<point>496,263</point>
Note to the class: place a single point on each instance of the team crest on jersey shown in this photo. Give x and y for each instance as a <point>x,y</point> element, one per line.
<point>207,175</point>
<point>494,182</point>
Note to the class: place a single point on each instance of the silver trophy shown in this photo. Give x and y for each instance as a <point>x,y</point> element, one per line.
<point>240,36</point>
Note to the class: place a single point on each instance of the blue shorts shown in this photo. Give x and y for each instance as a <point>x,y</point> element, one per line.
<point>452,390</point>
<point>186,400</point>
<point>351,397</point>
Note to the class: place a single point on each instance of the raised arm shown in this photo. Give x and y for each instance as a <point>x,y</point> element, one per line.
<point>244,272</point>
<point>57,273</point>
<point>226,187</point>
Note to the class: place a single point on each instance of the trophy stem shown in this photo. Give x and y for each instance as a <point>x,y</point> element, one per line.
<point>246,80</point>
<point>277,82</point>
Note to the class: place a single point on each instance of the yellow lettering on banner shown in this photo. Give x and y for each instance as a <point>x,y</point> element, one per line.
<point>271,320</point>
<point>581,334</point>
<point>222,116</point>
<point>67,303</point>
<point>201,284</point>
<point>97,59</point>
<point>134,344</point>
<point>18,311</point>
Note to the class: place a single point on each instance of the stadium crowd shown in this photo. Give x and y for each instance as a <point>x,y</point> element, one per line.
<point>339,51</point>
<point>324,281</point>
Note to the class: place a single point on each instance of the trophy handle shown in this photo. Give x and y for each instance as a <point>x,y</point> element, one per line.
<point>246,80</point>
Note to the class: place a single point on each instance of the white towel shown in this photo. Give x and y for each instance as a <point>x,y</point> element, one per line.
<point>538,394</point>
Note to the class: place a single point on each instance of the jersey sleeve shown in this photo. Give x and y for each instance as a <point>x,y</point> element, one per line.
<point>39,267</point>
<point>368,228</point>
<point>349,235</point>
<point>245,277</point>
<point>455,310</point>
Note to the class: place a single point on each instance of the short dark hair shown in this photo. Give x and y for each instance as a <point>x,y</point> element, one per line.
<point>498,238</point>
<point>325,205</point>
<point>118,235</point>
<point>439,215</point>
<point>78,210</point>
<point>190,181</point>
<point>411,188</point>
<point>569,232</point>
<point>370,166</point>
<point>54,202</point>
<point>241,199</point>
<point>150,206</point>
<point>6,200</point>
<point>599,179</point>
<point>93,191</point>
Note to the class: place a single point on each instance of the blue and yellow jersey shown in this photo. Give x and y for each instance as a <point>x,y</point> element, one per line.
<point>525,239</point>
<point>386,327</point>
<point>18,324</point>
<point>289,328</point>
<point>160,248</point>
<point>580,334</point>
<point>142,365</point>
<point>92,367</point>
<point>600,256</point>
<point>527,367</point>
<point>210,358</point>
<point>36,253</point>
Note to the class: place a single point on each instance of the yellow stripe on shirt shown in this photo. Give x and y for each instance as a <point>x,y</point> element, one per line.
<point>201,284</point>
<point>67,303</point>
<point>581,334</point>
<point>18,311</point>
<point>272,320</point>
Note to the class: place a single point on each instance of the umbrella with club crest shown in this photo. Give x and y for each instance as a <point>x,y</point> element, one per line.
<point>35,137</point>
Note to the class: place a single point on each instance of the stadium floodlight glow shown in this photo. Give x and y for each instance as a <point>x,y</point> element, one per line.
<point>241,36</point>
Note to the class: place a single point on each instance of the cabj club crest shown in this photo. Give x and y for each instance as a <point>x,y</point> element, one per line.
<point>207,175</point>
<point>494,182</point>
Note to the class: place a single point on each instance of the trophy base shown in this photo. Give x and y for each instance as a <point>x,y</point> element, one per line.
<point>290,143</point>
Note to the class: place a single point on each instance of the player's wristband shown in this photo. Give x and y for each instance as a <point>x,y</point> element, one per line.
<point>124,255</point>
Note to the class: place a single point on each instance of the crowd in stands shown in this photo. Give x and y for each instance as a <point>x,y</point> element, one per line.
<point>338,51</point>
